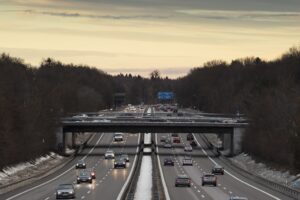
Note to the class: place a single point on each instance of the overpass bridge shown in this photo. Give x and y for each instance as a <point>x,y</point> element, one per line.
<point>229,129</point>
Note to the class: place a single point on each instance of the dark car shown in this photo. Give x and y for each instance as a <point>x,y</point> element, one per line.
<point>80,164</point>
<point>84,176</point>
<point>217,169</point>
<point>119,163</point>
<point>174,135</point>
<point>64,191</point>
<point>209,179</point>
<point>125,157</point>
<point>238,198</point>
<point>187,160</point>
<point>168,162</point>
<point>193,143</point>
<point>182,180</point>
<point>190,137</point>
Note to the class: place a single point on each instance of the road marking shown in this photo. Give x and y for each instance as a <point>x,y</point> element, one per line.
<point>47,182</point>
<point>83,197</point>
<point>233,176</point>
<point>202,196</point>
<point>47,198</point>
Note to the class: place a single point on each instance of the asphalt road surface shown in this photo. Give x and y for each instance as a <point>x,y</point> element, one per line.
<point>108,184</point>
<point>229,184</point>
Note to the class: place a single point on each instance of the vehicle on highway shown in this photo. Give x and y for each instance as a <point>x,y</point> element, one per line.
<point>189,137</point>
<point>217,169</point>
<point>84,176</point>
<point>209,179</point>
<point>167,145</point>
<point>163,138</point>
<point>80,164</point>
<point>92,171</point>
<point>64,191</point>
<point>176,140</point>
<point>168,161</point>
<point>193,143</point>
<point>125,157</point>
<point>119,163</point>
<point>118,137</point>
<point>174,135</point>
<point>188,148</point>
<point>187,160</point>
<point>238,198</point>
<point>182,180</point>
<point>109,154</point>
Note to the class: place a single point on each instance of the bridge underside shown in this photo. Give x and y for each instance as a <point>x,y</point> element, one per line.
<point>148,129</point>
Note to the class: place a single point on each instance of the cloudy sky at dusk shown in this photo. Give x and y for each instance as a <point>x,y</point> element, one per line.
<point>137,36</point>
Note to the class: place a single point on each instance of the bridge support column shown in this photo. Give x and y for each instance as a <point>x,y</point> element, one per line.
<point>226,139</point>
<point>238,134</point>
<point>73,140</point>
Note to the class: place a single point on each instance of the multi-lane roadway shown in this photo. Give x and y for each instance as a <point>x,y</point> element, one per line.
<point>109,182</point>
<point>229,184</point>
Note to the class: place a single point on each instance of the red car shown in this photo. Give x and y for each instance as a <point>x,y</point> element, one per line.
<point>176,139</point>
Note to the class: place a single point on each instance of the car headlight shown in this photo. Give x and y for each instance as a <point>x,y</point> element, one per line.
<point>90,177</point>
<point>58,192</point>
<point>78,178</point>
<point>72,192</point>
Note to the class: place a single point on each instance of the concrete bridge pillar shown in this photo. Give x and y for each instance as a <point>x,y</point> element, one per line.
<point>238,134</point>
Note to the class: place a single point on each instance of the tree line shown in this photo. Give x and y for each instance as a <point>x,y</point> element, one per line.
<point>32,100</point>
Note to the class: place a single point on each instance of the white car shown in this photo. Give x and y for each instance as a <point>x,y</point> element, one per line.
<point>109,154</point>
<point>188,148</point>
<point>118,137</point>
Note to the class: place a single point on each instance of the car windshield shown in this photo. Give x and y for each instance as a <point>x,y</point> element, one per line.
<point>65,186</point>
<point>84,173</point>
<point>80,162</point>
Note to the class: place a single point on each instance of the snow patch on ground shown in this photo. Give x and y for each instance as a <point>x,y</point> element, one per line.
<point>144,184</point>
<point>246,162</point>
<point>15,173</point>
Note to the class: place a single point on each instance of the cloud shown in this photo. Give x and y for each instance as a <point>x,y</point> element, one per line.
<point>93,16</point>
<point>242,15</point>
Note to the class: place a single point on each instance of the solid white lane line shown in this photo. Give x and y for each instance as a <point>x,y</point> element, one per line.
<point>167,195</point>
<point>233,176</point>
<point>47,182</point>
<point>131,172</point>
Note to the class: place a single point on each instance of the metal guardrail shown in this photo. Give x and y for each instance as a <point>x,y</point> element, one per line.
<point>130,189</point>
<point>157,188</point>
<point>290,192</point>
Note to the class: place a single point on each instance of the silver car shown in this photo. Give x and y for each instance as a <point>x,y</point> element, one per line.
<point>109,154</point>
<point>188,148</point>
<point>238,198</point>
<point>65,191</point>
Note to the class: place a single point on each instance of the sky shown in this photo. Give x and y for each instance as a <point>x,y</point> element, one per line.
<point>139,36</point>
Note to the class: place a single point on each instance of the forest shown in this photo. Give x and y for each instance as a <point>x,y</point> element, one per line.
<point>33,99</point>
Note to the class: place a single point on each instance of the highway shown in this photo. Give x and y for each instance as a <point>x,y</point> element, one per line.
<point>229,184</point>
<point>108,183</point>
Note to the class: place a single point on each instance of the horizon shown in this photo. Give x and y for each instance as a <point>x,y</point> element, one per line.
<point>137,37</point>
